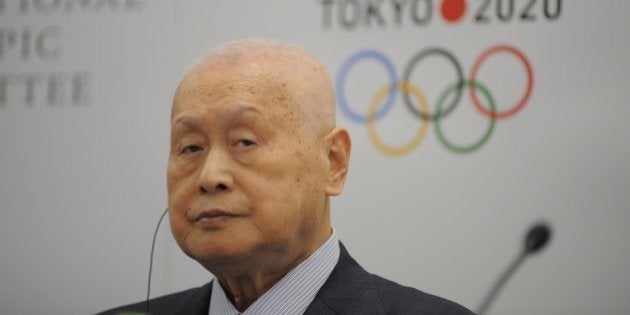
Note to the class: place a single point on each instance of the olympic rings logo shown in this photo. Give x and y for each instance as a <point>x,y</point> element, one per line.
<point>384,98</point>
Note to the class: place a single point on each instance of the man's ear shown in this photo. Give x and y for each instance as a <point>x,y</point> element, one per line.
<point>338,159</point>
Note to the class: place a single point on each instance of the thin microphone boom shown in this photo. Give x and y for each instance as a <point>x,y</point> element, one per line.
<point>537,237</point>
<point>151,260</point>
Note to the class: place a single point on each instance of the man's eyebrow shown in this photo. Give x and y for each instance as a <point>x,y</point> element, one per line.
<point>185,122</point>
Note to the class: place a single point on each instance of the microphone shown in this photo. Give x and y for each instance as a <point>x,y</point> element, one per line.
<point>535,240</point>
<point>146,305</point>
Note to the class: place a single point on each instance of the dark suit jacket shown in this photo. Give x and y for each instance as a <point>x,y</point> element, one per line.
<point>348,290</point>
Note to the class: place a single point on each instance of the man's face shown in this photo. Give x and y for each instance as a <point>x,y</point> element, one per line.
<point>245,182</point>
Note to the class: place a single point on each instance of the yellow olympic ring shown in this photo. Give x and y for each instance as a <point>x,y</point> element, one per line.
<point>371,118</point>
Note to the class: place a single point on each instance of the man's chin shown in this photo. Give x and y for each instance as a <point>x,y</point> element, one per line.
<point>216,255</point>
<point>233,257</point>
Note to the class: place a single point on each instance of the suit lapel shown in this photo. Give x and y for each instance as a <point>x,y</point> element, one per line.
<point>348,290</point>
<point>196,303</point>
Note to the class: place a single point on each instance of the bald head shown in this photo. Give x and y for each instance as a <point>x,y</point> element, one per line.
<point>293,77</point>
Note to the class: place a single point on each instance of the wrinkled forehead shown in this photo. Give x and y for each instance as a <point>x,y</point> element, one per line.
<point>258,83</point>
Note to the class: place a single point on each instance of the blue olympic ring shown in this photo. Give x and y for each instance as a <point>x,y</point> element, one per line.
<point>341,79</point>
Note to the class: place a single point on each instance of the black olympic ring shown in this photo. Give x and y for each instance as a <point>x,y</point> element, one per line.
<point>459,88</point>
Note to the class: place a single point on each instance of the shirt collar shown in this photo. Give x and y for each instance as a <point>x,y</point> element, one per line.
<point>293,293</point>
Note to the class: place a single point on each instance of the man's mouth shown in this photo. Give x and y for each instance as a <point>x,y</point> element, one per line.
<point>214,218</point>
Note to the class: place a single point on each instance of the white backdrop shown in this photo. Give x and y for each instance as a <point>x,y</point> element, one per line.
<point>85,90</point>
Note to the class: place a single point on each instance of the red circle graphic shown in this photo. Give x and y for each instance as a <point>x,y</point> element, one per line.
<point>453,10</point>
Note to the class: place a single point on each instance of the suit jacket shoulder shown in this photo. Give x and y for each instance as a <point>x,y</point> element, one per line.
<point>194,301</point>
<point>352,290</point>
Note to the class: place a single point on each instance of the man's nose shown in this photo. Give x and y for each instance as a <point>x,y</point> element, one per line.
<point>216,174</point>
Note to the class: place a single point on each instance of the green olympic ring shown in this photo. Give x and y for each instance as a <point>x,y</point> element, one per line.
<point>440,134</point>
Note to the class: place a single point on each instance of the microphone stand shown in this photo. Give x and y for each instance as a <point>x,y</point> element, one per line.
<point>535,239</point>
<point>501,282</point>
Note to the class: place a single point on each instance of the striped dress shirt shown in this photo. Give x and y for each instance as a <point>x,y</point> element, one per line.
<point>293,293</point>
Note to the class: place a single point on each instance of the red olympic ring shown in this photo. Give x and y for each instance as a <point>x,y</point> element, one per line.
<point>493,114</point>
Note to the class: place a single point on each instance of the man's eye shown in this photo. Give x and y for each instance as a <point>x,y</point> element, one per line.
<point>246,143</point>
<point>191,149</point>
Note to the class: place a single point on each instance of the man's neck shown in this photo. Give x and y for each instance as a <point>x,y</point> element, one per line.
<point>244,283</point>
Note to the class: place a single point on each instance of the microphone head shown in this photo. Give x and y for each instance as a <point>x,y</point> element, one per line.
<point>537,237</point>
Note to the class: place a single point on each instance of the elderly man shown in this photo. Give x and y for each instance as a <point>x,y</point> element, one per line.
<point>255,157</point>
